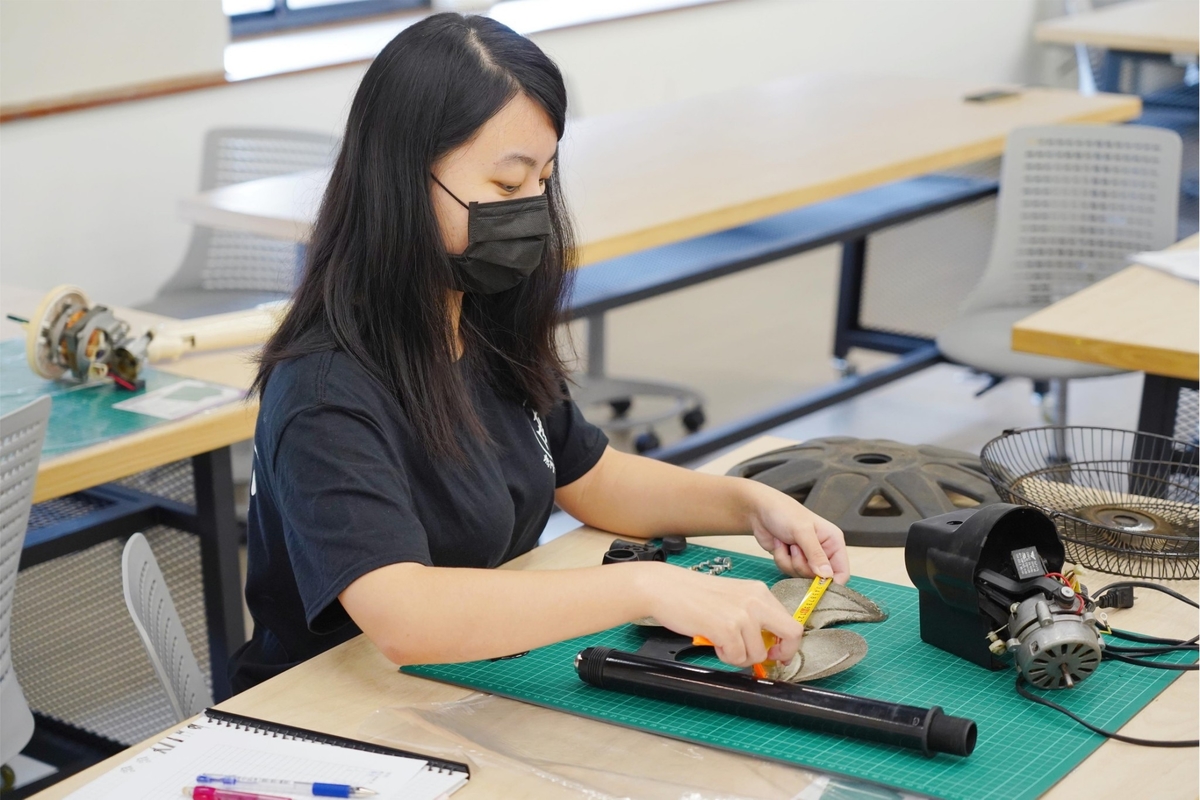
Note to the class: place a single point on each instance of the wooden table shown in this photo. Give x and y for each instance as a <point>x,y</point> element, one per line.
<point>1142,26</point>
<point>341,689</point>
<point>649,177</point>
<point>204,438</point>
<point>1134,31</point>
<point>1138,319</point>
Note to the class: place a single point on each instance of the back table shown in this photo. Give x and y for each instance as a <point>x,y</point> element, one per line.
<point>642,178</point>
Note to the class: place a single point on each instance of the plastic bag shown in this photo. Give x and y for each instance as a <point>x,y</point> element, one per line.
<point>523,749</point>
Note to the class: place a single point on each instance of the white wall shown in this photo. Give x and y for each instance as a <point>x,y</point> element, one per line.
<point>58,48</point>
<point>89,197</point>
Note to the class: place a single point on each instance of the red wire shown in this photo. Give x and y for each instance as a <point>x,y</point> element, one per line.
<point>1065,582</point>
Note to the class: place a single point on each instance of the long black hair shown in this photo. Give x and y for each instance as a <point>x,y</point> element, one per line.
<point>377,276</point>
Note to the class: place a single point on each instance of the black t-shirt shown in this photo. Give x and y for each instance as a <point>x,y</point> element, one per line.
<point>341,487</point>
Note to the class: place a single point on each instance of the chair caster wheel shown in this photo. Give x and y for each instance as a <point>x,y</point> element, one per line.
<point>694,419</point>
<point>844,367</point>
<point>620,407</point>
<point>646,442</point>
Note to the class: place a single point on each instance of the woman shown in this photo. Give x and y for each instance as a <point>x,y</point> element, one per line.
<point>415,427</point>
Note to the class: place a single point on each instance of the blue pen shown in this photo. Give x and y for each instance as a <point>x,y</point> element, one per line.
<point>291,787</point>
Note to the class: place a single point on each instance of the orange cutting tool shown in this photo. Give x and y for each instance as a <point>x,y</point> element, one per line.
<point>803,612</point>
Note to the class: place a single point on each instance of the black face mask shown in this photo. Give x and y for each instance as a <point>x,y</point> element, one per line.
<point>505,240</point>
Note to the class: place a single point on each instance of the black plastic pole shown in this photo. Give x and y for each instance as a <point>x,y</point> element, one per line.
<point>925,729</point>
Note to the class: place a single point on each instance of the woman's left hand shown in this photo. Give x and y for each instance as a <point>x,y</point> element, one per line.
<point>802,543</point>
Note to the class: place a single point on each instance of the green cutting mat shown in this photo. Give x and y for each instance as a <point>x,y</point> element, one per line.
<point>1023,749</point>
<point>80,416</point>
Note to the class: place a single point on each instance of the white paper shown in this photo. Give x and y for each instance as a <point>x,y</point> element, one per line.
<point>164,770</point>
<point>1180,263</point>
<point>179,399</point>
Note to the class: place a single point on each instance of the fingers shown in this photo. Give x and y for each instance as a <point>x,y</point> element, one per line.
<point>783,559</point>
<point>801,542</point>
<point>756,649</point>
<point>756,611</point>
<point>808,551</point>
<point>787,632</point>
<point>734,654</point>
<point>833,542</point>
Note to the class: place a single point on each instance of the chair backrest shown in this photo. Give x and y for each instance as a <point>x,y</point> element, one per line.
<point>21,435</point>
<point>231,260</point>
<point>1075,202</point>
<point>157,622</point>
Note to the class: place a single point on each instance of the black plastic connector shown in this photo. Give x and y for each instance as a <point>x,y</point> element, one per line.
<point>1119,597</point>
<point>621,551</point>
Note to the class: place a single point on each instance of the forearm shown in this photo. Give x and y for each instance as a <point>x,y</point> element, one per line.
<point>417,614</point>
<point>640,497</point>
<point>637,496</point>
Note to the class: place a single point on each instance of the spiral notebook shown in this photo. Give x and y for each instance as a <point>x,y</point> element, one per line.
<point>224,743</point>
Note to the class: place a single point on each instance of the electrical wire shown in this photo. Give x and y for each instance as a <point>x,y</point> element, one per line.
<point>1131,636</point>
<point>1172,647</point>
<point>1132,655</point>
<point>1021,690</point>
<point>1069,581</point>
<point>1147,585</point>
<point>1141,662</point>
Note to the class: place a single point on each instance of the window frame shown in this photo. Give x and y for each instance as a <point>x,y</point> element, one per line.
<point>283,18</point>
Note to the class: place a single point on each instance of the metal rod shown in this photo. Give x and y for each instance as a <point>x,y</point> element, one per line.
<point>704,442</point>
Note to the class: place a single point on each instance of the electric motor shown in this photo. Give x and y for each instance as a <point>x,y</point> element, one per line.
<point>1052,647</point>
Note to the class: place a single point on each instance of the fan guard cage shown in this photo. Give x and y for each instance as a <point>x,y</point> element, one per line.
<point>1124,502</point>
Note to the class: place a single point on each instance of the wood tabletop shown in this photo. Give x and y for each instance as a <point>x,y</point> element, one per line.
<point>652,176</point>
<point>152,447</point>
<point>343,691</point>
<point>1142,26</point>
<point>1139,319</point>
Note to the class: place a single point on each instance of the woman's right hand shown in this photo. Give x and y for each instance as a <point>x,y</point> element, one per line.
<point>729,612</point>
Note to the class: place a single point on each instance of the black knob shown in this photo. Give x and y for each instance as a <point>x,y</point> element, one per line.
<point>674,545</point>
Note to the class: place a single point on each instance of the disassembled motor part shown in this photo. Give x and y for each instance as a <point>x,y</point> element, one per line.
<point>998,568</point>
<point>926,729</point>
<point>838,604</point>
<point>717,565</point>
<point>621,551</point>
<point>69,338</point>
<point>674,545</point>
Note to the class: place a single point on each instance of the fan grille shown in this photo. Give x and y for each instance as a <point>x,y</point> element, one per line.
<point>1124,502</point>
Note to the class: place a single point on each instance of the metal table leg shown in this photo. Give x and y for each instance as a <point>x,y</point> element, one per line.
<point>1160,403</point>
<point>216,524</point>
<point>1160,398</point>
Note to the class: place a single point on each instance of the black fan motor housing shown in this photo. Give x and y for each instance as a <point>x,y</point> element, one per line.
<point>944,555</point>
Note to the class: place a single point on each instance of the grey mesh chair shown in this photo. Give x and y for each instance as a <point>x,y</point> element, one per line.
<point>1075,202</point>
<point>229,270</point>
<point>157,622</point>
<point>21,435</point>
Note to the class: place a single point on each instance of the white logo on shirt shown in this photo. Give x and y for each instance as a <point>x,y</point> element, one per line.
<point>254,473</point>
<point>539,431</point>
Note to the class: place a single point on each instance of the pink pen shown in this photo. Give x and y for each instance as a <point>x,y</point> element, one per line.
<point>213,793</point>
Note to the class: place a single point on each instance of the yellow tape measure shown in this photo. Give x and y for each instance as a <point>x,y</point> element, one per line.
<point>813,596</point>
